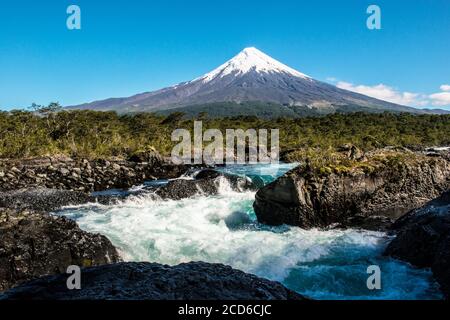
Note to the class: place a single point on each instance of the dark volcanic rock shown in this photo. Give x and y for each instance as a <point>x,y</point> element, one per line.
<point>363,196</point>
<point>151,281</point>
<point>41,199</point>
<point>149,156</point>
<point>37,244</point>
<point>208,174</point>
<point>423,239</point>
<point>85,175</point>
<point>206,182</point>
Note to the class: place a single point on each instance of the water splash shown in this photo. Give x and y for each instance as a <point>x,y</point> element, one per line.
<point>223,229</point>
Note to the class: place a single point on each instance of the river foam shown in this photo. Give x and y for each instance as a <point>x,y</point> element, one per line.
<point>323,264</point>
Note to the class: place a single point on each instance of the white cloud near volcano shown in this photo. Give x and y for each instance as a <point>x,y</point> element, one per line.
<point>440,99</point>
<point>391,94</point>
<point>386,93</point>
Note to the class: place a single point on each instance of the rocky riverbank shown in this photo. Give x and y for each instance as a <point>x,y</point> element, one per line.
<point>152,281</point>
<point>36,244</point>
<point>47,200</point>
<point>367,191</point>
<point>64,173</point>
<point>206,182</point>
<point>370,192</point>
<point>423,239</point>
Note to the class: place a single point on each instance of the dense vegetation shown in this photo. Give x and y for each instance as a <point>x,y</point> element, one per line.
<point>265,110</point>
<point>48,131</point>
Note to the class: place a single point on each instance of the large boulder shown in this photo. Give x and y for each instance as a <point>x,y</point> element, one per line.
<point>370,193</point>
<point>423,239</point>
<point>149,155</point>
<point>206,182</point>
<point>151,281</point>
<point>37,244</point>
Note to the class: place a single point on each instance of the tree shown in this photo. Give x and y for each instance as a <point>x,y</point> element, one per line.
<point>53,107</point>
<point>174,118</point>
<point>202,116</point>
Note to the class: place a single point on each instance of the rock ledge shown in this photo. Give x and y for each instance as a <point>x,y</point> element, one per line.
<point>151,281</point>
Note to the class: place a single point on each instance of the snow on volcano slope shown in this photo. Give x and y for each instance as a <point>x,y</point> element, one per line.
<point>251,59</point>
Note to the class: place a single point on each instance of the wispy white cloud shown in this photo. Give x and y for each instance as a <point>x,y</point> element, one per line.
<point>440,99</point>
<point>387,93</point>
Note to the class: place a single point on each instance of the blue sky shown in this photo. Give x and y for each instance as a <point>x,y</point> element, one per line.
<point>128,47</point>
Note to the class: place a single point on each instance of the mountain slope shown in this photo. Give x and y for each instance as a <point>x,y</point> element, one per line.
<point>251,76</point>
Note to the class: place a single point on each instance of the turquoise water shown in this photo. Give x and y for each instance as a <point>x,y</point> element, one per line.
<point>322,264</point>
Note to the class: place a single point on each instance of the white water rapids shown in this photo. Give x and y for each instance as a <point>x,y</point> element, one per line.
<point>322,264</point>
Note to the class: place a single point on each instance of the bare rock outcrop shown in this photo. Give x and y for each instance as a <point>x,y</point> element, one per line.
<point>65,173</point>
<point>423,239</point>
<point>206,182</point>
<point>37,244</point>
<point>370,194</point>
<point>152,281</point>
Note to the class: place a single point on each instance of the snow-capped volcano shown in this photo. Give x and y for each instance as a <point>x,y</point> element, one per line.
<point>250,83</point>
<point>248,60</point>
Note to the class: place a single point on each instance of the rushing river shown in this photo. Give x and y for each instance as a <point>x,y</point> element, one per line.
<point>322,264</point>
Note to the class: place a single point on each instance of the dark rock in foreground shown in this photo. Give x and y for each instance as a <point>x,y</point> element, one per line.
<point>151,281</point>
<point>371,194</point>
<point>206,182</point>
<point>37,244</point>
<point>423,240</point>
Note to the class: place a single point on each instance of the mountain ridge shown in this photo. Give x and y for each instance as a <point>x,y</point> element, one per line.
<point>250,76</point>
